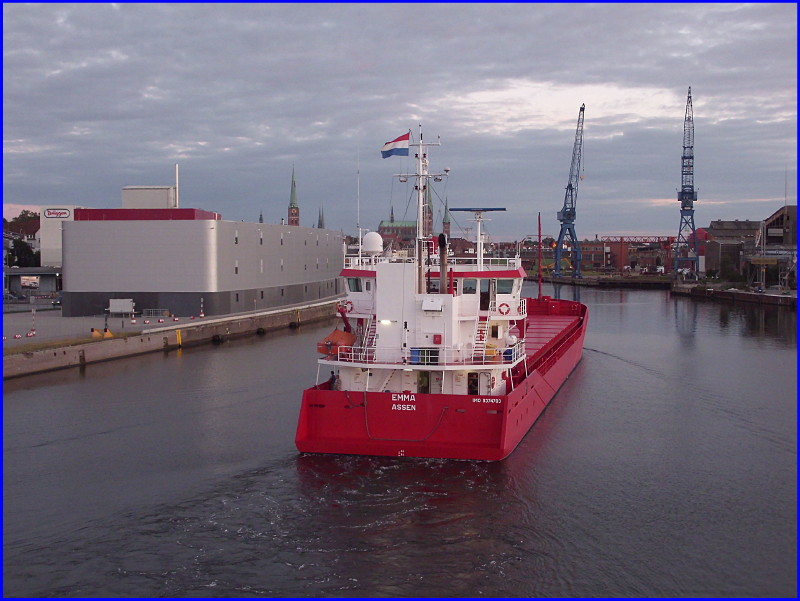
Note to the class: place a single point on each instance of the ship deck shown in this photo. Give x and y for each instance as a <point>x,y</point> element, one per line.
<point>543,331</point>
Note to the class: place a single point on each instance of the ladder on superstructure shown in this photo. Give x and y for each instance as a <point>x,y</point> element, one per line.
<point>481,329</point>
<point>368,342</point>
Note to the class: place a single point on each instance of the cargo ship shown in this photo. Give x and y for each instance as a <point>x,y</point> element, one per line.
<point>437,356</point>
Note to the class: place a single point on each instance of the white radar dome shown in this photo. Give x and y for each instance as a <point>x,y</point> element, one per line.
<point>373,243</point>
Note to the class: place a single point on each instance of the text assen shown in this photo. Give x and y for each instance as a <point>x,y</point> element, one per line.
<point>407,406</point>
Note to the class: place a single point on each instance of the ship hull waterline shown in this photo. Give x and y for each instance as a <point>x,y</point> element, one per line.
<point>446,426</point>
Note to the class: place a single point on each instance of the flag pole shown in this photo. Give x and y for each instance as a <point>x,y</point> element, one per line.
<point>539,257</point>
<point>358,201</point>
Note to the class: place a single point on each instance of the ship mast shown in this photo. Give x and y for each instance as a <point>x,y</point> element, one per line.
<point>423,178</point>
<point>422,183</point>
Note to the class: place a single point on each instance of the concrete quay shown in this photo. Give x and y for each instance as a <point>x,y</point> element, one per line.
<point>733,295</point>
<point>64,342</point>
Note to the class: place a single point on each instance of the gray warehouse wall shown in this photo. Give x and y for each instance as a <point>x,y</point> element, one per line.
<point>172,265</point>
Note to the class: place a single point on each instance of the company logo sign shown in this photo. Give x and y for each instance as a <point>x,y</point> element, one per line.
<point>57,213</point>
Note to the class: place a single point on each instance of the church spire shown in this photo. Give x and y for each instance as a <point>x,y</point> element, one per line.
<point>446,220</point>
<point>321,220</point>
<point>294,209</point>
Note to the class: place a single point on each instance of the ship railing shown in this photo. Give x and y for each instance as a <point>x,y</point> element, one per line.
<point>366,262</point>
<point>441,356</point>
<point>488,262</point>
<point>503,308</point>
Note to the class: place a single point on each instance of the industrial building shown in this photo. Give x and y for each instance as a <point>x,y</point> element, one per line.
<point>187,262</point>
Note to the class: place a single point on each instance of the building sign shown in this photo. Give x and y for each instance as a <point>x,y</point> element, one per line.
<point>29,281</point>
<point>57,213</point>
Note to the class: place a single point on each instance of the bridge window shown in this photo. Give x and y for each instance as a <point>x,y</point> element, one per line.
<point>470,286</point>
<point>354,284</point>
<point>505,286</point>
<point>485,297</point>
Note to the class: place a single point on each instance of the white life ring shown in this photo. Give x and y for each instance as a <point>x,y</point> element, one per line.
<point>504,308</point>
<point>348,306</point>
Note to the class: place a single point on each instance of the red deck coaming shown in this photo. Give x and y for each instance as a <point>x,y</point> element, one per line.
<point>444,426</point>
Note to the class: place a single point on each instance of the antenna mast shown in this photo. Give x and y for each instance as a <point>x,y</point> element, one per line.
<point>358,202</point>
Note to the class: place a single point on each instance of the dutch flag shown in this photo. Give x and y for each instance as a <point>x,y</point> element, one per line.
<point>398,146</point>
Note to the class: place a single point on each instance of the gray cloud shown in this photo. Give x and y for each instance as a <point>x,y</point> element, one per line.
<point>97,97</point>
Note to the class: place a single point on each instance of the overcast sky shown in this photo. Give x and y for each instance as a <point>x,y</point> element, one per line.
<point>97,97</point>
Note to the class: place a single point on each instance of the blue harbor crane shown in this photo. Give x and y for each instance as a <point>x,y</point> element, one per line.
<point>567,214</point>
<point>686,244</point>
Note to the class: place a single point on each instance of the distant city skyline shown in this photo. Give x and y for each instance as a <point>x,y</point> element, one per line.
<point>100,96</point>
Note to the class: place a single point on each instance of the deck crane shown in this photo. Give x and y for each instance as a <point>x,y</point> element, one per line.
<point>567,214</point>
<point>687,196</point>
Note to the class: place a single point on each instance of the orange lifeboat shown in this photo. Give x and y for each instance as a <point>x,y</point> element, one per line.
<point>331,343</point>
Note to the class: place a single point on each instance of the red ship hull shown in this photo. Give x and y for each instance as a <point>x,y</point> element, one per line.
<point>451,426</point>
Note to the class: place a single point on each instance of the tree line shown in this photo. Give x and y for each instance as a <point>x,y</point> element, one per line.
<point>21,254</point>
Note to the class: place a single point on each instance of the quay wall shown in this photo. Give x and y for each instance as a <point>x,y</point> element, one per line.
<point>742,296</point>
<point>163,339</point>
<point>640,283</point>
<point>681,289</point>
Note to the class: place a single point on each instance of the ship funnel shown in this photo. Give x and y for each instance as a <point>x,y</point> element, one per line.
<point>442,264</point>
